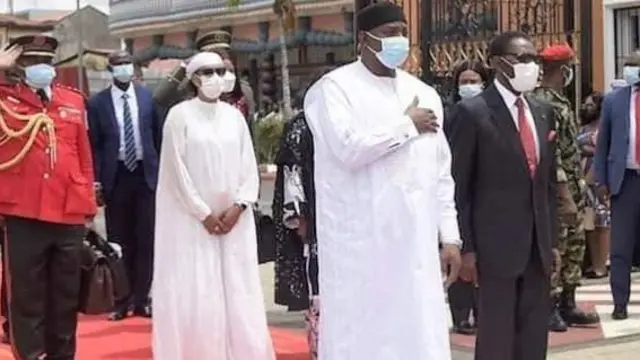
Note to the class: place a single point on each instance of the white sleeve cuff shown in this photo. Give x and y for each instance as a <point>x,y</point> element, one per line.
<point>407,130</point>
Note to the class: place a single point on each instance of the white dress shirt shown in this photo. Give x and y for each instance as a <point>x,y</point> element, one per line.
<point>632,162</point>
<point>118,107</point>
<point>509,99</point>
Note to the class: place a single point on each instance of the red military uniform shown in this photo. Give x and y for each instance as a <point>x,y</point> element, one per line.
<point>53,182</point>
<point>46,195</point>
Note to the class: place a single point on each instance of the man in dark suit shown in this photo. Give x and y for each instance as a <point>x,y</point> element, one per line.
<point>504,167</point>
<point>617,169</point>
<point>125,134</point>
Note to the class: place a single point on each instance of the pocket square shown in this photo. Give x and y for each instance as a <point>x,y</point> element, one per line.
<point>551,136</point>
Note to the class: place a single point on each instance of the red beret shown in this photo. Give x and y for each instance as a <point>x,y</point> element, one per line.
<point>557,52</point>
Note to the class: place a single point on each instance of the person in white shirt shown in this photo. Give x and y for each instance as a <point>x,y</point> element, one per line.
<point>384,192</point>
<point>206,291</point>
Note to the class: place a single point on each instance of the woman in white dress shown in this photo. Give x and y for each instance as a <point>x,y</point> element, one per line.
<point>207,296</point>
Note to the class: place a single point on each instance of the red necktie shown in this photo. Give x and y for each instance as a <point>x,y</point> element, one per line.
<point>527,137</point>
<point>637,125</point>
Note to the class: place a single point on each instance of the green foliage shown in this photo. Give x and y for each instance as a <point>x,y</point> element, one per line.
<point>233,3</point>
<point>266,137</point>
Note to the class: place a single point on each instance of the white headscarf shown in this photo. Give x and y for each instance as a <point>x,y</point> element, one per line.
<point>203,60</point>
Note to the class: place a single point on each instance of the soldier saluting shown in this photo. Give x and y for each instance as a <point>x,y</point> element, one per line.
<point>173,89</point>
<point>46,196</point>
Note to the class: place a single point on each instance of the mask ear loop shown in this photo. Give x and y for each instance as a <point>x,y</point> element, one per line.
<point>374,38</point>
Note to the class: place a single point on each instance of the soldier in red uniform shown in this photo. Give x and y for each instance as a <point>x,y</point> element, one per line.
<point>46,196</point>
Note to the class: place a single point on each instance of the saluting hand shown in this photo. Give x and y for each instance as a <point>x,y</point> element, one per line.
<point>8,57</point>
<point>425,120</point>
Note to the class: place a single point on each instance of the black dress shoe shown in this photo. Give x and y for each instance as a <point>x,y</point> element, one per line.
<point>119,315</point>
<point>464,328</point>
<point>619,312</point>
<point>142,311</point>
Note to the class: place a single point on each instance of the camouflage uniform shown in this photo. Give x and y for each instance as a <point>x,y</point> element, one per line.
<point>571,236</point>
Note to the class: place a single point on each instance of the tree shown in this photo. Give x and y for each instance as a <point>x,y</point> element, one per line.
<point>286,13</point>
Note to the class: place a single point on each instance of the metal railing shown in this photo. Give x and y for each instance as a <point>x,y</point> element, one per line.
<point>125,13</point>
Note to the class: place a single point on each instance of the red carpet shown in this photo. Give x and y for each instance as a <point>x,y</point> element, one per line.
<point>130,339</point>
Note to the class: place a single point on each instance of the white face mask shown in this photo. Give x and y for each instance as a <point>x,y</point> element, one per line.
<point>525,76</point>
<point>229,79</point>
<point>393,52</point>
<point>469,90</point>
<point>631,74</point>
<point>211,87</point>
<point>123,73</point>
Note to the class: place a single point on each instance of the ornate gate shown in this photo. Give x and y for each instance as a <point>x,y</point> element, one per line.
<point>457,30</point>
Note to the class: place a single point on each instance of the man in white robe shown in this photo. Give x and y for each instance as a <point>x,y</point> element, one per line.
<point>384,194</point>
<point>206,291</point>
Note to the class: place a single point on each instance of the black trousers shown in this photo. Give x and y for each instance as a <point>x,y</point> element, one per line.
<point>43,272</point>
<point>462,298</point>
<point>514,314</point>
<point>130,213</point>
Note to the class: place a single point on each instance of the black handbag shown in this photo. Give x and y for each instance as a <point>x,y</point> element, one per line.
<point>121,287</point>
<point>96,283</point>
<point>103,278</point>
<point>266,237</point>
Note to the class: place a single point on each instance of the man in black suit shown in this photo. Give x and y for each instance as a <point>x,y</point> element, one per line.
<point>504,166</point>
<point>125,132</point>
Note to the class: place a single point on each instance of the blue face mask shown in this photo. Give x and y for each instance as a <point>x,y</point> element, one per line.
<point>469,90</point>
<point>123,73</point>
<point>394,50</point>
<point>39,76</point>
<point>631,74</point>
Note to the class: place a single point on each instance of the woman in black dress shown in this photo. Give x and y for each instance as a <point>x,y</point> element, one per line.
<point>296,265</point>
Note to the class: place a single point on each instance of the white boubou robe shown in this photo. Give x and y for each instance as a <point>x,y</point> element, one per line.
<point>207,295</point>
<point>384,193</point>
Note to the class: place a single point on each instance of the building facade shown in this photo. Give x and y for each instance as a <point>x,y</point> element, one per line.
<point>620,35</point>
<point>167,29</point>
<point>88,26</point>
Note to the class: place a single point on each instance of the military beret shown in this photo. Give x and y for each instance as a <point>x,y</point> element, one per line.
<point>557,52</point>
<point>217,39</point>
<point>36,45</point>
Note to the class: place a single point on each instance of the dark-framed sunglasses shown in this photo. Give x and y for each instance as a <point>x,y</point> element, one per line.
<point>210,72</point>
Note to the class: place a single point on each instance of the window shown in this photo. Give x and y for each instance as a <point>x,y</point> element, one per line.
<point>627,34</point>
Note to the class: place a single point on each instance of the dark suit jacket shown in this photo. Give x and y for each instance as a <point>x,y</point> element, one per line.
<point>105,136</point>
<point>612,146</point>
<point>500,207</point>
